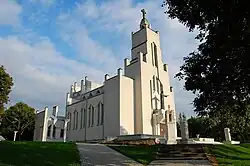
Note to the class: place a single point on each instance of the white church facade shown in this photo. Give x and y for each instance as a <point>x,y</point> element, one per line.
<point>138,100</point>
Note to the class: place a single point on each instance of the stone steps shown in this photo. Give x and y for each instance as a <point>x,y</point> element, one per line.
<point>181,152</point>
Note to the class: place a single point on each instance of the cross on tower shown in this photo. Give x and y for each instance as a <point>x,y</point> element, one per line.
<point>143,13</point>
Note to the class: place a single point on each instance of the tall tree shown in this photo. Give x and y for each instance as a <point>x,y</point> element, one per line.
<point>19,117</point>
<point>6,83</point>
<point>218,71</point>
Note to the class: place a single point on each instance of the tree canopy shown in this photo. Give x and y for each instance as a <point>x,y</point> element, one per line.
<point>218,71</point>
<point>19,117</point>
<point>6,83</point>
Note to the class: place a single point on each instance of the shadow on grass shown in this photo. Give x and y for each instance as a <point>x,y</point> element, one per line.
<point>143,154</point>
<point>231,154</point>
<point>38,154</point>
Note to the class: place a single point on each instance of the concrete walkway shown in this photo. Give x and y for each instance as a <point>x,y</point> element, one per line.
<point>101,155</point>
<point>181,163</point>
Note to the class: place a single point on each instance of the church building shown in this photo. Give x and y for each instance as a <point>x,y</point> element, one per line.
<point>138,100</point>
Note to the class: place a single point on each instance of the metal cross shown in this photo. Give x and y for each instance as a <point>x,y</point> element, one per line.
<point>143,13</point>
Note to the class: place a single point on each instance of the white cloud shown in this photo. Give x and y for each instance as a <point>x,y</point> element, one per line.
<point>9,12</point>
<point>42,76</point>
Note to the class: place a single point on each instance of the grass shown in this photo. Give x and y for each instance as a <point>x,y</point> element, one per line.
<point>141,153</point>
<point>231,154</point>
<point>226,154</point>
<point>38,154</point>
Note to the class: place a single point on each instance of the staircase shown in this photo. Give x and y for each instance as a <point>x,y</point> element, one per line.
<point>181,152</point>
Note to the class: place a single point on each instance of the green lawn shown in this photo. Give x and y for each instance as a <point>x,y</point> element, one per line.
<point>237,155</point>
<point>140,153</point>
<point>38,154</point>
<point>231,154</point>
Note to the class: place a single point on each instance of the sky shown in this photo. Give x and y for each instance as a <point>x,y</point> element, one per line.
<point>47,45</point>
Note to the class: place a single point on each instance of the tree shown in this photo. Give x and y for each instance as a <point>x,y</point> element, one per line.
<point>218,71</point>
<point>19,117</point>
<point>6,83</point>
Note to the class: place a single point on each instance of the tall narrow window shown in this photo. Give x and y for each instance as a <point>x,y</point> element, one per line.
<point>152,52</point>
<point>81,122</point>
<point>150,85</point>
<point>170,117</point>
<point>156,104</point>
<point>102,113</point>
<point>84,118</point>
<point>76,120</point>
<point>89,115</point>
<point>70,121</point>
<point>98,113</point>
<point>48,132</point>
<point>155,55</point>
<point>153,83</point>
<point>157,84</point>
<point>54,131</point>
<point>93,116</point>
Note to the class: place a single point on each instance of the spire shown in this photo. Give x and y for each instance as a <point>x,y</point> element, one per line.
<point>144,22</point>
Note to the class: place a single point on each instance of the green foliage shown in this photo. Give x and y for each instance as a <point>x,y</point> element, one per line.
<point>218,71</point>
<point>6,83</point>
<point>19,117</point>
<point>39,154</point>
<point>230,154</point>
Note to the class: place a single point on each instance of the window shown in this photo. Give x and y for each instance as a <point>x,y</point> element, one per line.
<point>155,55</point>
<point>49,130</point>
<point>98,113</point>
<point>70,121</point>
<point>102,113</point>
<point>152,52</point>
<point>171,89</point>
<point>93,116</point>
<point>62,133</point>
<point>144,58</point>
<point>76,120</point>
<point>89,116</point>
<point>157,84</point>
<point>54,131</point>
<point>156,104</point>
<point>153,83</point>
<point>170,117</point>
<point>81,122</point>
<point>84,118</point>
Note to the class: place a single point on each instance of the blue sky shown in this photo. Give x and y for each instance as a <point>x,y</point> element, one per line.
<point>46,45</point>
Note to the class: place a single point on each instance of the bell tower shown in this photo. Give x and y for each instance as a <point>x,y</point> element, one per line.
<point>152,90</point>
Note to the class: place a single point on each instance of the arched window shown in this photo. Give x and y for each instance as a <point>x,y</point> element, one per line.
<point>155,55</point>
<point>84,118</point>
<point>93,116</point>
<point>89,122</point>
<point>98,113</point>
<point>76,121</point>
<point>152,52</point>
<point>153,83</point>
<point>102,113</point>
<point>170,117</point>
<point>81,122</point>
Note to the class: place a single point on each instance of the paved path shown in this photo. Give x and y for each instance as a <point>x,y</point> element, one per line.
<point>181,163</point>
<point>101,155</point>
